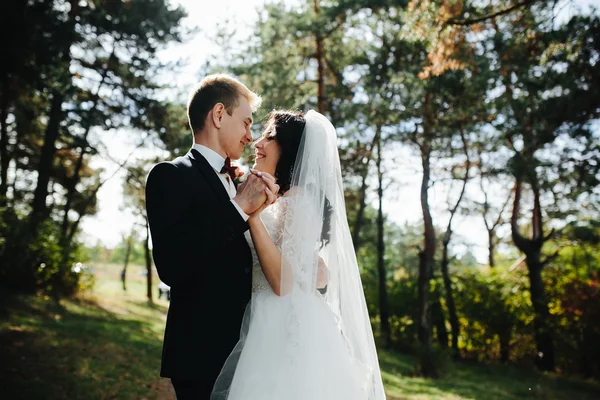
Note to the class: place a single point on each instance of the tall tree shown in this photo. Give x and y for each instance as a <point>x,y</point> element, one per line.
<point>106,75</point>
<point>128,244</point>
<point>450,304</point>
<point>384,313</point>
<point>541,92</point>
<point>550,98</point>
<point>75,69</point>
<point>135,200</point>
<point>490,181</point>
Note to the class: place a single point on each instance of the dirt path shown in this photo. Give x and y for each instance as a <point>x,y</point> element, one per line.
<point>163,389</point>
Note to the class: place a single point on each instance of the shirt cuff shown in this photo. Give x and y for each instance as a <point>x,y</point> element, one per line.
<point>242,213</point>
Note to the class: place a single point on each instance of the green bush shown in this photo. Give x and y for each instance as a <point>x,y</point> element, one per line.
<point>32,261</point>
<point>575,307</point>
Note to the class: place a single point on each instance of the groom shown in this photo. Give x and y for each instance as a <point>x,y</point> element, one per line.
<point>197,219</point>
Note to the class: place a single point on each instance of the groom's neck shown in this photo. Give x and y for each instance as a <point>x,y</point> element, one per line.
<point>210,141</point>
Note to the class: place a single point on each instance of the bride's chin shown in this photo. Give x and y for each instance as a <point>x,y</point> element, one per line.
<point>257,166</point>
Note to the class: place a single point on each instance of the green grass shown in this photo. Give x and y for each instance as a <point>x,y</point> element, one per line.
<point>107,344</point>
<point>462,381</point>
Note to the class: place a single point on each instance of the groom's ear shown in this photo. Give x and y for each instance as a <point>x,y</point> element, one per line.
<point>217,114</point>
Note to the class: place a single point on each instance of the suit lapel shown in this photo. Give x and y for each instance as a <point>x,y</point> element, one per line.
<point>209,173</point>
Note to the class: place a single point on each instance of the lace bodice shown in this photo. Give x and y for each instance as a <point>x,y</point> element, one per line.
<point>272,217</point>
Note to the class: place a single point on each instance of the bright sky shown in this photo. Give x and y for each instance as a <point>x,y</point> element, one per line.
<point>111,222</point>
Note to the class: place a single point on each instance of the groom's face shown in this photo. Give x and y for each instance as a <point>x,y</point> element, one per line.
<point>235,129</point>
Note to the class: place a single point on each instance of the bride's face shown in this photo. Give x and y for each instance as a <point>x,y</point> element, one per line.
<point>267,151</point>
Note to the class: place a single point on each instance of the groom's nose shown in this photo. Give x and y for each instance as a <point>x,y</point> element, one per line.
<point>248,136</point>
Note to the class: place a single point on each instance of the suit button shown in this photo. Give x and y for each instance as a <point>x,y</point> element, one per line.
<point>247,270</point>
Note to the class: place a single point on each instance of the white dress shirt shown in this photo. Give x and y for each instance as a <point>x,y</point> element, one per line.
<point>217,162</point>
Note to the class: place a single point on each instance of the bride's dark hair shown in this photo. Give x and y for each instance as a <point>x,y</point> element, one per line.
<point>286,128</point>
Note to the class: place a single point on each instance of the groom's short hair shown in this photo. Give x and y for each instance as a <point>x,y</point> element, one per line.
<point>213,89</point>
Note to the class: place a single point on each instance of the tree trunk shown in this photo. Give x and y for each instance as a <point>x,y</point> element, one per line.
<point>124,271</point>
<point>359,221</point>
<point>360,214</point>
<point>427,366</point>
<point>148,264</point>
<point>504,347</point>
<point>66,238</point>
<point>532,248</point>
<point>454,325</point>
<point>491,248</point>
<point>490,226</point>
<point>71,189</point>
<point>437,315</point>
<point>543,336</point>
<point>4,156</point>
<point>446,243</point>
<point>72,183</point>
<point>320,64</point>
<point>383,298</point>
<point>39,210</point>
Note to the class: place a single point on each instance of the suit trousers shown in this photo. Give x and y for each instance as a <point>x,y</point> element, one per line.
<point>192,389</point>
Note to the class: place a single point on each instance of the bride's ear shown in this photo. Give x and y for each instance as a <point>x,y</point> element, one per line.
<point>216,114</point>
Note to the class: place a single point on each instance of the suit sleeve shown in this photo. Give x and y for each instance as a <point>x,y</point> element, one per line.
<point>183,231</point>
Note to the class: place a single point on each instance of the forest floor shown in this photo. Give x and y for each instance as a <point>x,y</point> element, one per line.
<point>106,344</point>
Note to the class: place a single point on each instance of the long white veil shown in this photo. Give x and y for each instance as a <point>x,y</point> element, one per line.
<point>315,243</point>
<point>316,233</point>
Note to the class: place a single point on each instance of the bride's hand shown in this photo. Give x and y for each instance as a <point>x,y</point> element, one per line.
<point>271,191</point>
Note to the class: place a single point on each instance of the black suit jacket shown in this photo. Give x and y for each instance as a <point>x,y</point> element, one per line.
<point>200,251</point>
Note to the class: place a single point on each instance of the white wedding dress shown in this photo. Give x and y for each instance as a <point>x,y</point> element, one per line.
<point>310,361</point>
<point>304,345</point>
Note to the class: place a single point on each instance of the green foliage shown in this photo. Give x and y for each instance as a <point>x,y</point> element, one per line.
<point>493,310</point>
<point>574,286</point>
<point>493,304</point>
<point>42,265</point>
<point>74,70</point>
<point>12,230</point>
<point>136,256</point>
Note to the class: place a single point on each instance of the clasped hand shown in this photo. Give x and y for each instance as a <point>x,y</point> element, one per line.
<point>257,193</point>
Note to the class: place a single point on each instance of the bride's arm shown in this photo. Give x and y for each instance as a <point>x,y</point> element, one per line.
<point>322,274</point>
<point>269,255</point>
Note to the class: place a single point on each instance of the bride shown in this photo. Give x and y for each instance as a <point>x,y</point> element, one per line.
<point>306,332</point>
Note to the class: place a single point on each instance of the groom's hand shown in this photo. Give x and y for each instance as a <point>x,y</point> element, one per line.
<point>251,194</point>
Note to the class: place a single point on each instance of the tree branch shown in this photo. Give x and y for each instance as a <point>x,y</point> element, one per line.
<point>499,220</point>
<point>465,180</point>
<point>472,21</point>
<point>551,257</point>
<point>520,241</point>
<point>549,235</point>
